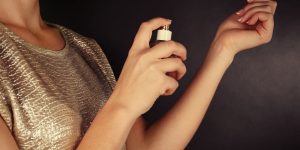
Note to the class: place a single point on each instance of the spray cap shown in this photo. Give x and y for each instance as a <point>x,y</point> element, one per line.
<point>164,34</point>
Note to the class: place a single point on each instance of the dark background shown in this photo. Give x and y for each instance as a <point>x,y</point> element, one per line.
<point>257,105</point>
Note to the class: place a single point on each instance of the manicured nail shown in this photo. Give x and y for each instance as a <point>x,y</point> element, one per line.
<point>239,12</point>
<point>241,19</point>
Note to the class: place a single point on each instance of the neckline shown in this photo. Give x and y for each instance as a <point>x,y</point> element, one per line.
<point>39,49</point>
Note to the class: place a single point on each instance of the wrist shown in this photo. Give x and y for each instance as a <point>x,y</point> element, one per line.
<point>118,104</point>
<point>218,50</point>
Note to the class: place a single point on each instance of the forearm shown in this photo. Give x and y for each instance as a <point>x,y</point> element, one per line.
<point>109,129</point>
<point>177,127</point>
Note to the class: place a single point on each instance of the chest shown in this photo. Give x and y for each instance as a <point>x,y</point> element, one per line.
<point>54,100</point>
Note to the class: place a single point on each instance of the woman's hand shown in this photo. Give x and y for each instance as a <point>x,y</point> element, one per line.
<point>143,78</point>
<point>249,27</point>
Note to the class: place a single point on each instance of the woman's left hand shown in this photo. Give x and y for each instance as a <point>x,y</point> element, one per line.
<point>249,27</point>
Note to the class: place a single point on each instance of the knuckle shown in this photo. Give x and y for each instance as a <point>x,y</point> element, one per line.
<point>161,90</point>
<point>266,14</point>
<point>171,87</point>
<point>270,15</point>
<point>269,8</point>
<point>257,14</point>
<point>182,71</point>
<point>175,85</point>
<point>161,82</point>
<point>274,3</point>
<point>182,47</point>
<point>177,61</point>
<point>249,6</point>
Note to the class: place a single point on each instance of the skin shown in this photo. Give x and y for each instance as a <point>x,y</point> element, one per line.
<point>143,78</point>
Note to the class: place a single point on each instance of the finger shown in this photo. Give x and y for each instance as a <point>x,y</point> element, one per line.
<point>171,86</point>
<point>262,33</point>
<point>267,22</point>
<point>143,36</point>
<point>273,4</point>
<point>256,18</point>
<point>253,11</point>
<point>253,20</point>
<point>249,6</point>
<point>168,48</point>
<point>172,65</point>
<point>251,1</point>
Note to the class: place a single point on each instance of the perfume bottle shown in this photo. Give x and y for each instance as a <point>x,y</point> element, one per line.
<point>164,34</point>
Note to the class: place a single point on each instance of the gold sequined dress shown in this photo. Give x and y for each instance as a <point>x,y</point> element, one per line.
<point>48,98</point>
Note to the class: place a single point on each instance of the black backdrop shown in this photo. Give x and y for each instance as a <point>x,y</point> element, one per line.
<point>257,105</point>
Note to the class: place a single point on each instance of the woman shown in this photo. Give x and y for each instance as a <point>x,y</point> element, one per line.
<point>54,82</point>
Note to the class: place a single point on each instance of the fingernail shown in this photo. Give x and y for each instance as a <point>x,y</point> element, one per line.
<point>239,12</point>
<point>241,19</point>
<point>249,1</point>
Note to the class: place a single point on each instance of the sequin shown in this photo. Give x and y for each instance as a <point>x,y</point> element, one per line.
<point>48,98</point>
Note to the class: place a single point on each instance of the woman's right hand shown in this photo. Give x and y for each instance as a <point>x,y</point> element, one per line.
<point>143,78</point>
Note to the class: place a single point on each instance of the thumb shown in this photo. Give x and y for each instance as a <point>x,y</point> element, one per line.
<point>143,36</point>
<point>261,33</point>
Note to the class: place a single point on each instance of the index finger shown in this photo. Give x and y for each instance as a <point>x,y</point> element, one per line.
<point>272,3</point>
<point>250,1</point>
<point>143,36</point>
<point>167,49</point>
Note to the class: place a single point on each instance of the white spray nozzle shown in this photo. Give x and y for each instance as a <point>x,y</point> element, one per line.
<point>164,34</point>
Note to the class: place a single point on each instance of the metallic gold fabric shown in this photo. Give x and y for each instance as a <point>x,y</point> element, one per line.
<point>48,98</point>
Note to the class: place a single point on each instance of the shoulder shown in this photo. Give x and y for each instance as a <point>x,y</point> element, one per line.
<point>89,49</point>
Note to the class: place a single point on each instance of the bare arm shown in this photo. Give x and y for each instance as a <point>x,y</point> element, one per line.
<point>142,80</point>
<point>250,27</point>
<point>177,127</point>
<point>144,76</point>
<point>109,129</point>
<point>6,139</point>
